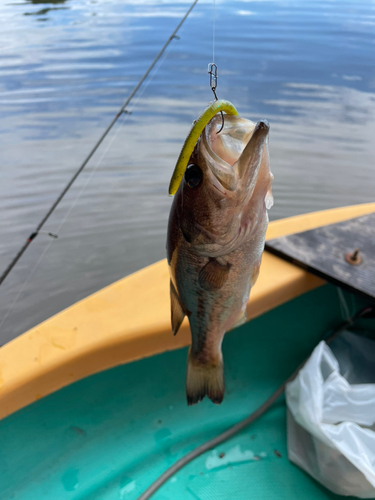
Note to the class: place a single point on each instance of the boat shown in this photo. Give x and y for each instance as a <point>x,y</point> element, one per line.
<point>93,405</point>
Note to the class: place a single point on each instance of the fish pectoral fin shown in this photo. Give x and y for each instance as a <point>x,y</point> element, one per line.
<point>177,312</point>
<point>213,275</point>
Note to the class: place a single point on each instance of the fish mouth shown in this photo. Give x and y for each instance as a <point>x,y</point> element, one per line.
<point>248,165</point>
<point>222,150</point>
<point>220,191</point>
<point>208,141</point>
<point>226,146</point>
<point>234,154</point>
<point>262,125</point>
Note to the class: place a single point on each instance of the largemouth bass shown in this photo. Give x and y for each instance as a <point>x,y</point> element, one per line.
<point>216,232</point>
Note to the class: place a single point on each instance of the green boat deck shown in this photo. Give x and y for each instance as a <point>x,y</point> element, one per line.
<point>107,437</point>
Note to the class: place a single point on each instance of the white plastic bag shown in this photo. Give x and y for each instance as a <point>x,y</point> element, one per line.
<point>331,416</point>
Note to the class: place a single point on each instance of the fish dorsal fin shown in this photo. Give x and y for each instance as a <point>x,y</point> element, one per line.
<point>177,313</point>
<point>213,275</point>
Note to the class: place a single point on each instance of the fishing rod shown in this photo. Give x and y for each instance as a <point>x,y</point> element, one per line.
<point>35,233</point>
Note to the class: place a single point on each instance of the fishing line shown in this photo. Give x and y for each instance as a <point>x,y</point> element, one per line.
<point>25,283</point>
<point>121,124</point>
<point>212,67</point>
<point>92,152</point>
<point>213,31</point>
<point>344,306</point>
<point>224,436</point>
<point>59,229</point>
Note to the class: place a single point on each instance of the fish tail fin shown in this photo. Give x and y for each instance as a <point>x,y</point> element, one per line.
<point>204,379</point>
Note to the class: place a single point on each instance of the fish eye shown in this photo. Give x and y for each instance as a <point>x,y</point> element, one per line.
<point>193,175</point>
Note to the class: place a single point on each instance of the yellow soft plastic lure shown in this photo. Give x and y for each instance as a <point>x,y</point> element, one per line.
<point>192,139</point>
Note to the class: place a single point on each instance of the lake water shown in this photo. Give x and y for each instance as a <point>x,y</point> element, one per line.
<point>67,66</point>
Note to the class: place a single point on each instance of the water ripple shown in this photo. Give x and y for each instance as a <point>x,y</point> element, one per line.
<point>66,66</point>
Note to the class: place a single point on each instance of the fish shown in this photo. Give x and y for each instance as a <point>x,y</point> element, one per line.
<point>215,240</point>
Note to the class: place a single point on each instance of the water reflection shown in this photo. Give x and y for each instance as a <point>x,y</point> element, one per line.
<point>43,12</point>
<point>37,2</point>
<point>306,66</point>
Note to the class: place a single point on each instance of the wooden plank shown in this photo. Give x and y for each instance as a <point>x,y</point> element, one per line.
<point>322,252</point>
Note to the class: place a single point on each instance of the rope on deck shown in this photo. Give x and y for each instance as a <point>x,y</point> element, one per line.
<point>224,436</point>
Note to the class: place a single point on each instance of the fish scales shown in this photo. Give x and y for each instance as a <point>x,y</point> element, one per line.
<point>216,234</point>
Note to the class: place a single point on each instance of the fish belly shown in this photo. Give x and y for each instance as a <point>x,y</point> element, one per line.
<point>213,308</point>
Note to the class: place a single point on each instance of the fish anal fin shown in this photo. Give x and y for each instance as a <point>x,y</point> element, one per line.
<point>213,275</point>
<point>177,312</point>
<point>204,379</point>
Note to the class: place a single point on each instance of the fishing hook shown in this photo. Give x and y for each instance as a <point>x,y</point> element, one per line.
<point>212,71</point>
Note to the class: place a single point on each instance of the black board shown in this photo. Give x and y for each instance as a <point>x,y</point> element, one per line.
<point>322,252</point>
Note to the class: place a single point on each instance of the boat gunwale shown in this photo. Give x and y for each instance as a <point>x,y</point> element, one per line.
<point>130,320</point>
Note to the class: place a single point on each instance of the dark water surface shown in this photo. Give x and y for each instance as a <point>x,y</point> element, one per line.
<point>67,66</point>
